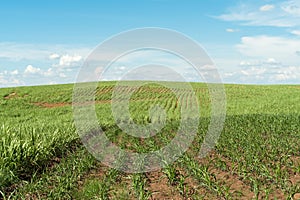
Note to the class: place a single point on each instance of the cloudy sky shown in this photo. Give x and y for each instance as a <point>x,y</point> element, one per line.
<point>250,41</point>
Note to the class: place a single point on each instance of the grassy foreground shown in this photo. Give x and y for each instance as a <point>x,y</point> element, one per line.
<point>257,156</point>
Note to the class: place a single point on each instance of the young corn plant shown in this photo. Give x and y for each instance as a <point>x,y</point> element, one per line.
<point>172,173</point>
<point>139,182</point>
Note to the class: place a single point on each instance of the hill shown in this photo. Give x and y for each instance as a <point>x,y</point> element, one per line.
<point>257,154</point>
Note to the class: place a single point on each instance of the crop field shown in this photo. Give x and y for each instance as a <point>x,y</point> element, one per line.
<point>257,155</point>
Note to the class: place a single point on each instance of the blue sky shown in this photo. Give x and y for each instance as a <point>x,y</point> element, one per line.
<point>253,42</point>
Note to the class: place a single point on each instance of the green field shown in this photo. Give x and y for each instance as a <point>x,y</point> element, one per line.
<point>257,155</point>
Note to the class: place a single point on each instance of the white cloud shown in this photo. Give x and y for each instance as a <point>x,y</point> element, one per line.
<point>3,81</point>
<point>9,79</point>
<point>16,51</point>
<point>15,72</point>
<point>282,49</point>
<point>6,72</point>
<point>9,82</point>
<point>268,71</point>
<point>15,82</point>
<point>207,68</point>
<point>296,32</point>
<point>42,63</point>
<point>52,83</point>
<point>19,51</point>
<point>287,74</point>
<point>228,74</point>
<point>253,71</point>
<point>280,77</point>
<point>49,72</point>
<point>38,72</point>
<point>54,56</point>
<point>122,68</point>
<point>32,70</point>
<point>281,14</point>
<point>67,60</point>
<point>245,63</point>
<point>33,75</point>
<point>62,75</point>
<point>271,61</point>
<point>267,7</point>
<point>291,7</point>
<point>230,30</point>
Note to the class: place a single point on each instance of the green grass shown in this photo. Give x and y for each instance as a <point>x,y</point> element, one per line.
<point>41,155</point>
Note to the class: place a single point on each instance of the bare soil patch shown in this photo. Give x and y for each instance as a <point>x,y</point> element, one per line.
<point>61,104</point>
<point>51,105</point>
<point>238,188</point>
<point>11,95</point>
<point>160,188</point>
<point>98,173</point>
<point>295,176</point>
